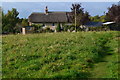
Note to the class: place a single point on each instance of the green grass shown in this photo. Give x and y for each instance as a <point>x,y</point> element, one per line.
<point>0,57</point>
<point>61,55</point>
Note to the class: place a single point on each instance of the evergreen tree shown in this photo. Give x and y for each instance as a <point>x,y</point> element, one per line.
<point>9,21</point>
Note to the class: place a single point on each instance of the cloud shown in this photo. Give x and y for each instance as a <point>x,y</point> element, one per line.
<point>60,0</point>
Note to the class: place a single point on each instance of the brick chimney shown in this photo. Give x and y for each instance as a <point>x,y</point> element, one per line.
<point>46,10</point>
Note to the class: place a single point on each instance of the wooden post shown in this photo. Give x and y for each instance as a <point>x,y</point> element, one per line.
<point>75,18</point>
<point>23,31</point>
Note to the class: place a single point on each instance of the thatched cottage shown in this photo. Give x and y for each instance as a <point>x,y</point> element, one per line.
<point>50,19</point>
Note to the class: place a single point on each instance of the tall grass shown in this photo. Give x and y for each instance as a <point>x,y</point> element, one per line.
<point>56,55</point>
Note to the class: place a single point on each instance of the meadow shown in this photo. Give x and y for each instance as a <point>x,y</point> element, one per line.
<point>61,55</point>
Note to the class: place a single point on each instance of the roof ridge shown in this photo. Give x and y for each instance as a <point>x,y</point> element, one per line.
<point>51,12</point>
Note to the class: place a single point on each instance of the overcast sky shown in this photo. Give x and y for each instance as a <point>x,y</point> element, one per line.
<point>26,8</point>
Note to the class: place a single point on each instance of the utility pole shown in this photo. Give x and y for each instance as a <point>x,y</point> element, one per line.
<point>75,18</point>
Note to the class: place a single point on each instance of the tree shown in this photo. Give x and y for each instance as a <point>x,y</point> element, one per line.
<point>78,8</point>
<point>95,18</point>
<point>98,18</point>
<point>77,12</point>
<point>85,18</point>
<point>24,22</point>
<point>114,13</point>
<point>10,20</point>
<point>81,16</point>
<point>103,18</point>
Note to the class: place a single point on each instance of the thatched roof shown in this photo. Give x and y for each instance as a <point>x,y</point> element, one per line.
<point>51,17</point>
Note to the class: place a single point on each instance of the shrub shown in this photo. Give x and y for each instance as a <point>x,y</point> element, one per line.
<point>58,28</point>
<point>37,28</point>
<point>100,28</point>
<point>47,29</point>
<point>69,27</point>
<point>72,27</point>
<point>65,28</point>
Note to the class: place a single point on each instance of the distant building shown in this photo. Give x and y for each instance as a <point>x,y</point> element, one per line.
<point>93,24</point>
<point>112,26</point>
<point>97,24</point>
<point>108,23</point>
<point>50,19</point>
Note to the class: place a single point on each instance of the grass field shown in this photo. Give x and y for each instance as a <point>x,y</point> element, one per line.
<point>61,55</point>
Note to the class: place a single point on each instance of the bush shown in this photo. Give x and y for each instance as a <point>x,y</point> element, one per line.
<point>37,28</point>
<point>47,29</point>
<point>69,27</point>
<point>58,28</point>
<point>72,27</point>
<point>65,28</point>
<point>100,28</point>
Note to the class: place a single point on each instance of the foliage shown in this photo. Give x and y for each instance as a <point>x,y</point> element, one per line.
<point>47,29</point>
<point>81,16</point>
<point>71,28</point>
<point>9,21</point>
<point>99,28</point>
<point>58,28</point>
<point>65,27</point>
<point>24,22</point>
<point>37,28</point>
<point>98,18</point>
<point>77,7</point>
<point>114,13</point>
<point>59,55</point>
